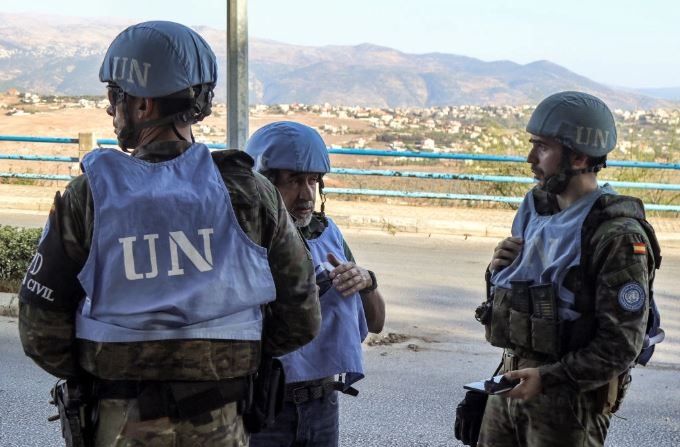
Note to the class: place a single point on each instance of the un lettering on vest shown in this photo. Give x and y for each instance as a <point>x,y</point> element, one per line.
<point>130,70</point>
<point>593,137</point>
<point>177,241</point>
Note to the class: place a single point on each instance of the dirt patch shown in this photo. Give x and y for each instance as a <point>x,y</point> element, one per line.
<point>393,338</point>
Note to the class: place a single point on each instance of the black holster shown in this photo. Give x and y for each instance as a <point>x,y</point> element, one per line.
<point>73,399</point>
<point>267,397</point>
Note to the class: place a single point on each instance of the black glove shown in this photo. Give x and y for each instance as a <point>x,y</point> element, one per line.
<point>469,413</point>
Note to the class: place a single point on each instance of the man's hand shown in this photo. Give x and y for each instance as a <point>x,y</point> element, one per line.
<point>529,385</point>
<point>505,252</point>
<point>347,277</point>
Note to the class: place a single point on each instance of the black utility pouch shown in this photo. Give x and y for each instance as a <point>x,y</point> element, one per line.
<point>268,394</point>
<point>520,314</point>
<point>545,326</point>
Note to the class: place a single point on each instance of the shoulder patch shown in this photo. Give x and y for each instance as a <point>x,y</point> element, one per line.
<point>632,297</point>
<point>639,248</point>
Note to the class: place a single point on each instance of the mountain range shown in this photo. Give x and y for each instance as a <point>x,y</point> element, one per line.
<point>59,55</point>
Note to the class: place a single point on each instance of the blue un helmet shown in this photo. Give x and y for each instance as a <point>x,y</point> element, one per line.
<point>161,59</point>
<point>581,123</point>
<point>290,146</point>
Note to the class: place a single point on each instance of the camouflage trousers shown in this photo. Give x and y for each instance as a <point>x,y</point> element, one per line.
<point>560,419</point>
<point>119,426</point>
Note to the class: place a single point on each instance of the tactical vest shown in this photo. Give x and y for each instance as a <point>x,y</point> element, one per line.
<point>532,312</point>
<point>168,259</point>
<point>337,347</point>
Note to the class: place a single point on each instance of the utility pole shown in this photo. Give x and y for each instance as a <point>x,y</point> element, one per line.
<point>237,74</point>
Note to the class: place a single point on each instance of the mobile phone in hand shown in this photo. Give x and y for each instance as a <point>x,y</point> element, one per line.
<point>495,385</point>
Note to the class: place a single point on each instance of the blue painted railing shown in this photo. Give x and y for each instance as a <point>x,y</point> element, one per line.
<point>374,172</point>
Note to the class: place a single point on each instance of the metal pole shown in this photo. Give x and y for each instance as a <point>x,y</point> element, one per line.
<point>237,73</point>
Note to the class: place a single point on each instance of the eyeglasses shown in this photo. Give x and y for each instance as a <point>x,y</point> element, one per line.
<point>115,94</point>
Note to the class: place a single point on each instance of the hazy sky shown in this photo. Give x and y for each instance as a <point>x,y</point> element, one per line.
<point>631,43</point>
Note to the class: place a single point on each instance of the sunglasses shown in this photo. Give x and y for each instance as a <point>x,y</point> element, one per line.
<point>115,94</point>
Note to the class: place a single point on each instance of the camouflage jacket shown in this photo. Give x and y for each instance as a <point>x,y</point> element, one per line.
<point>47,328</point>
<point>619,249</point>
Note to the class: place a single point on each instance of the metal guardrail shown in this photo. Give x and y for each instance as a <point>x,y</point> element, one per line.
<point>375,172</point>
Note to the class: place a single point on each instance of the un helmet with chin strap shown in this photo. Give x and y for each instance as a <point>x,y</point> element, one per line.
<point>580,122</point>
<point>161,59</point>
<point>289,146</point>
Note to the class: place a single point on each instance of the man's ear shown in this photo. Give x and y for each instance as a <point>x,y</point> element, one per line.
<point>579,160</point>
<point>144,107</point>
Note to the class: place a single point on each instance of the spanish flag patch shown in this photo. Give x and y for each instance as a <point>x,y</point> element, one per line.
<point>639,248</point>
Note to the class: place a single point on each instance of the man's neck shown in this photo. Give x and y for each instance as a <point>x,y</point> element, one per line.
<point>162,133</point>
<point>579,186</point>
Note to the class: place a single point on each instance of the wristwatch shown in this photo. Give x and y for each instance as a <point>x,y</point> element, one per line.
<point>374,283</point>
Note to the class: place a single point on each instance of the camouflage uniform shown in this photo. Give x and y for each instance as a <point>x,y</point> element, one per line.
<point>580,388</point>
<point>47,328</point>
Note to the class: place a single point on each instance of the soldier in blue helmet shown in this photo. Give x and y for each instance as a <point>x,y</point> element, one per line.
<point>569,293</point>
<point>149,282</point>
<point>294,157</point>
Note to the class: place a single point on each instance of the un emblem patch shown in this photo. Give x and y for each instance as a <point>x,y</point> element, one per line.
<point>632,297</point>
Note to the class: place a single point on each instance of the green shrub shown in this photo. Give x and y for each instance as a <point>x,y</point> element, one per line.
<point>17,247</point>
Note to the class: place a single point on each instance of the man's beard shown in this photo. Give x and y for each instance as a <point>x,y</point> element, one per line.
<point>301,223</point>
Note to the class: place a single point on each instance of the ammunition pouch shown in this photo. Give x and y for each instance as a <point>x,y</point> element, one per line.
<point>498,330</point>
<point>546,333</point>
<point>545,336</point>
<point>520,314</point>
<point>73,400</point>
<point>525,317</point>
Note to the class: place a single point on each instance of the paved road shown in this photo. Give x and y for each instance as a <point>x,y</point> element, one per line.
<point>431,285</point>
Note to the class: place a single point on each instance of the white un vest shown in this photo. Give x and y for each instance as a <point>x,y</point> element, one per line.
<point>168,258</point>
<point>337,347</point>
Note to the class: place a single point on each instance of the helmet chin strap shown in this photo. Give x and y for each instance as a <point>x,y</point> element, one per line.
<point>557,183</point>
<point>323,197</point>
<point>128,137</point>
